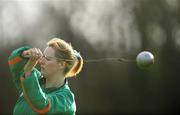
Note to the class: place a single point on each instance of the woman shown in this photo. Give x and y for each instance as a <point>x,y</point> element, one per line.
<point>45,92</point>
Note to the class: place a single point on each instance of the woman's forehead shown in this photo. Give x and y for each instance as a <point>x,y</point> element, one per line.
<point>49,51</point>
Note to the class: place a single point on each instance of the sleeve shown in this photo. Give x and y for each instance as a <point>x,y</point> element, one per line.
<point>16,64</point>
<point>39,101</point>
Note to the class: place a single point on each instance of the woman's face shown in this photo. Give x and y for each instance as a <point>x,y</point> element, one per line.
<point>49,65</point>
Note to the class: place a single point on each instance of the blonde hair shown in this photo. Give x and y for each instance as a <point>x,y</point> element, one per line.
<point>64,51</point>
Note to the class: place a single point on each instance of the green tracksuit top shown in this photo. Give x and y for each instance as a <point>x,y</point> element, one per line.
<point>34,98</point>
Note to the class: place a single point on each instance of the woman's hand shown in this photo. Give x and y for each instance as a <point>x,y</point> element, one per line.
<point>35,54</point>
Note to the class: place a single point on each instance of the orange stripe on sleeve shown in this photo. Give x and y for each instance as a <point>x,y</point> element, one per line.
<point>14,60</point>
<point>42,111</point>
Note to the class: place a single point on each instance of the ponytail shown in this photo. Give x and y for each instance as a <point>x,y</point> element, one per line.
<point>77,67</point>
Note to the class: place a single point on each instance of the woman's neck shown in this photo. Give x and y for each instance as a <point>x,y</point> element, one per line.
<point>55,81</point>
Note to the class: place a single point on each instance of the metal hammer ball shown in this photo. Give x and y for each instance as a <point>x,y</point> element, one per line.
<point>145,59</point>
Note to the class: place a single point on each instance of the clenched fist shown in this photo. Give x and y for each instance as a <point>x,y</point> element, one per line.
<point>34,55</point>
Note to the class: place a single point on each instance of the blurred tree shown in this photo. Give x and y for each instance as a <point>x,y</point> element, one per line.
<point>157,12</point>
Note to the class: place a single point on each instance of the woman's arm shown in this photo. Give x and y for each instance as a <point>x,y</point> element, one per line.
<point>33,93</point>
<point>16,64</point>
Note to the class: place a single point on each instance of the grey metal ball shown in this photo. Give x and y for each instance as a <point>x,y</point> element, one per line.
<point>145,59</point>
